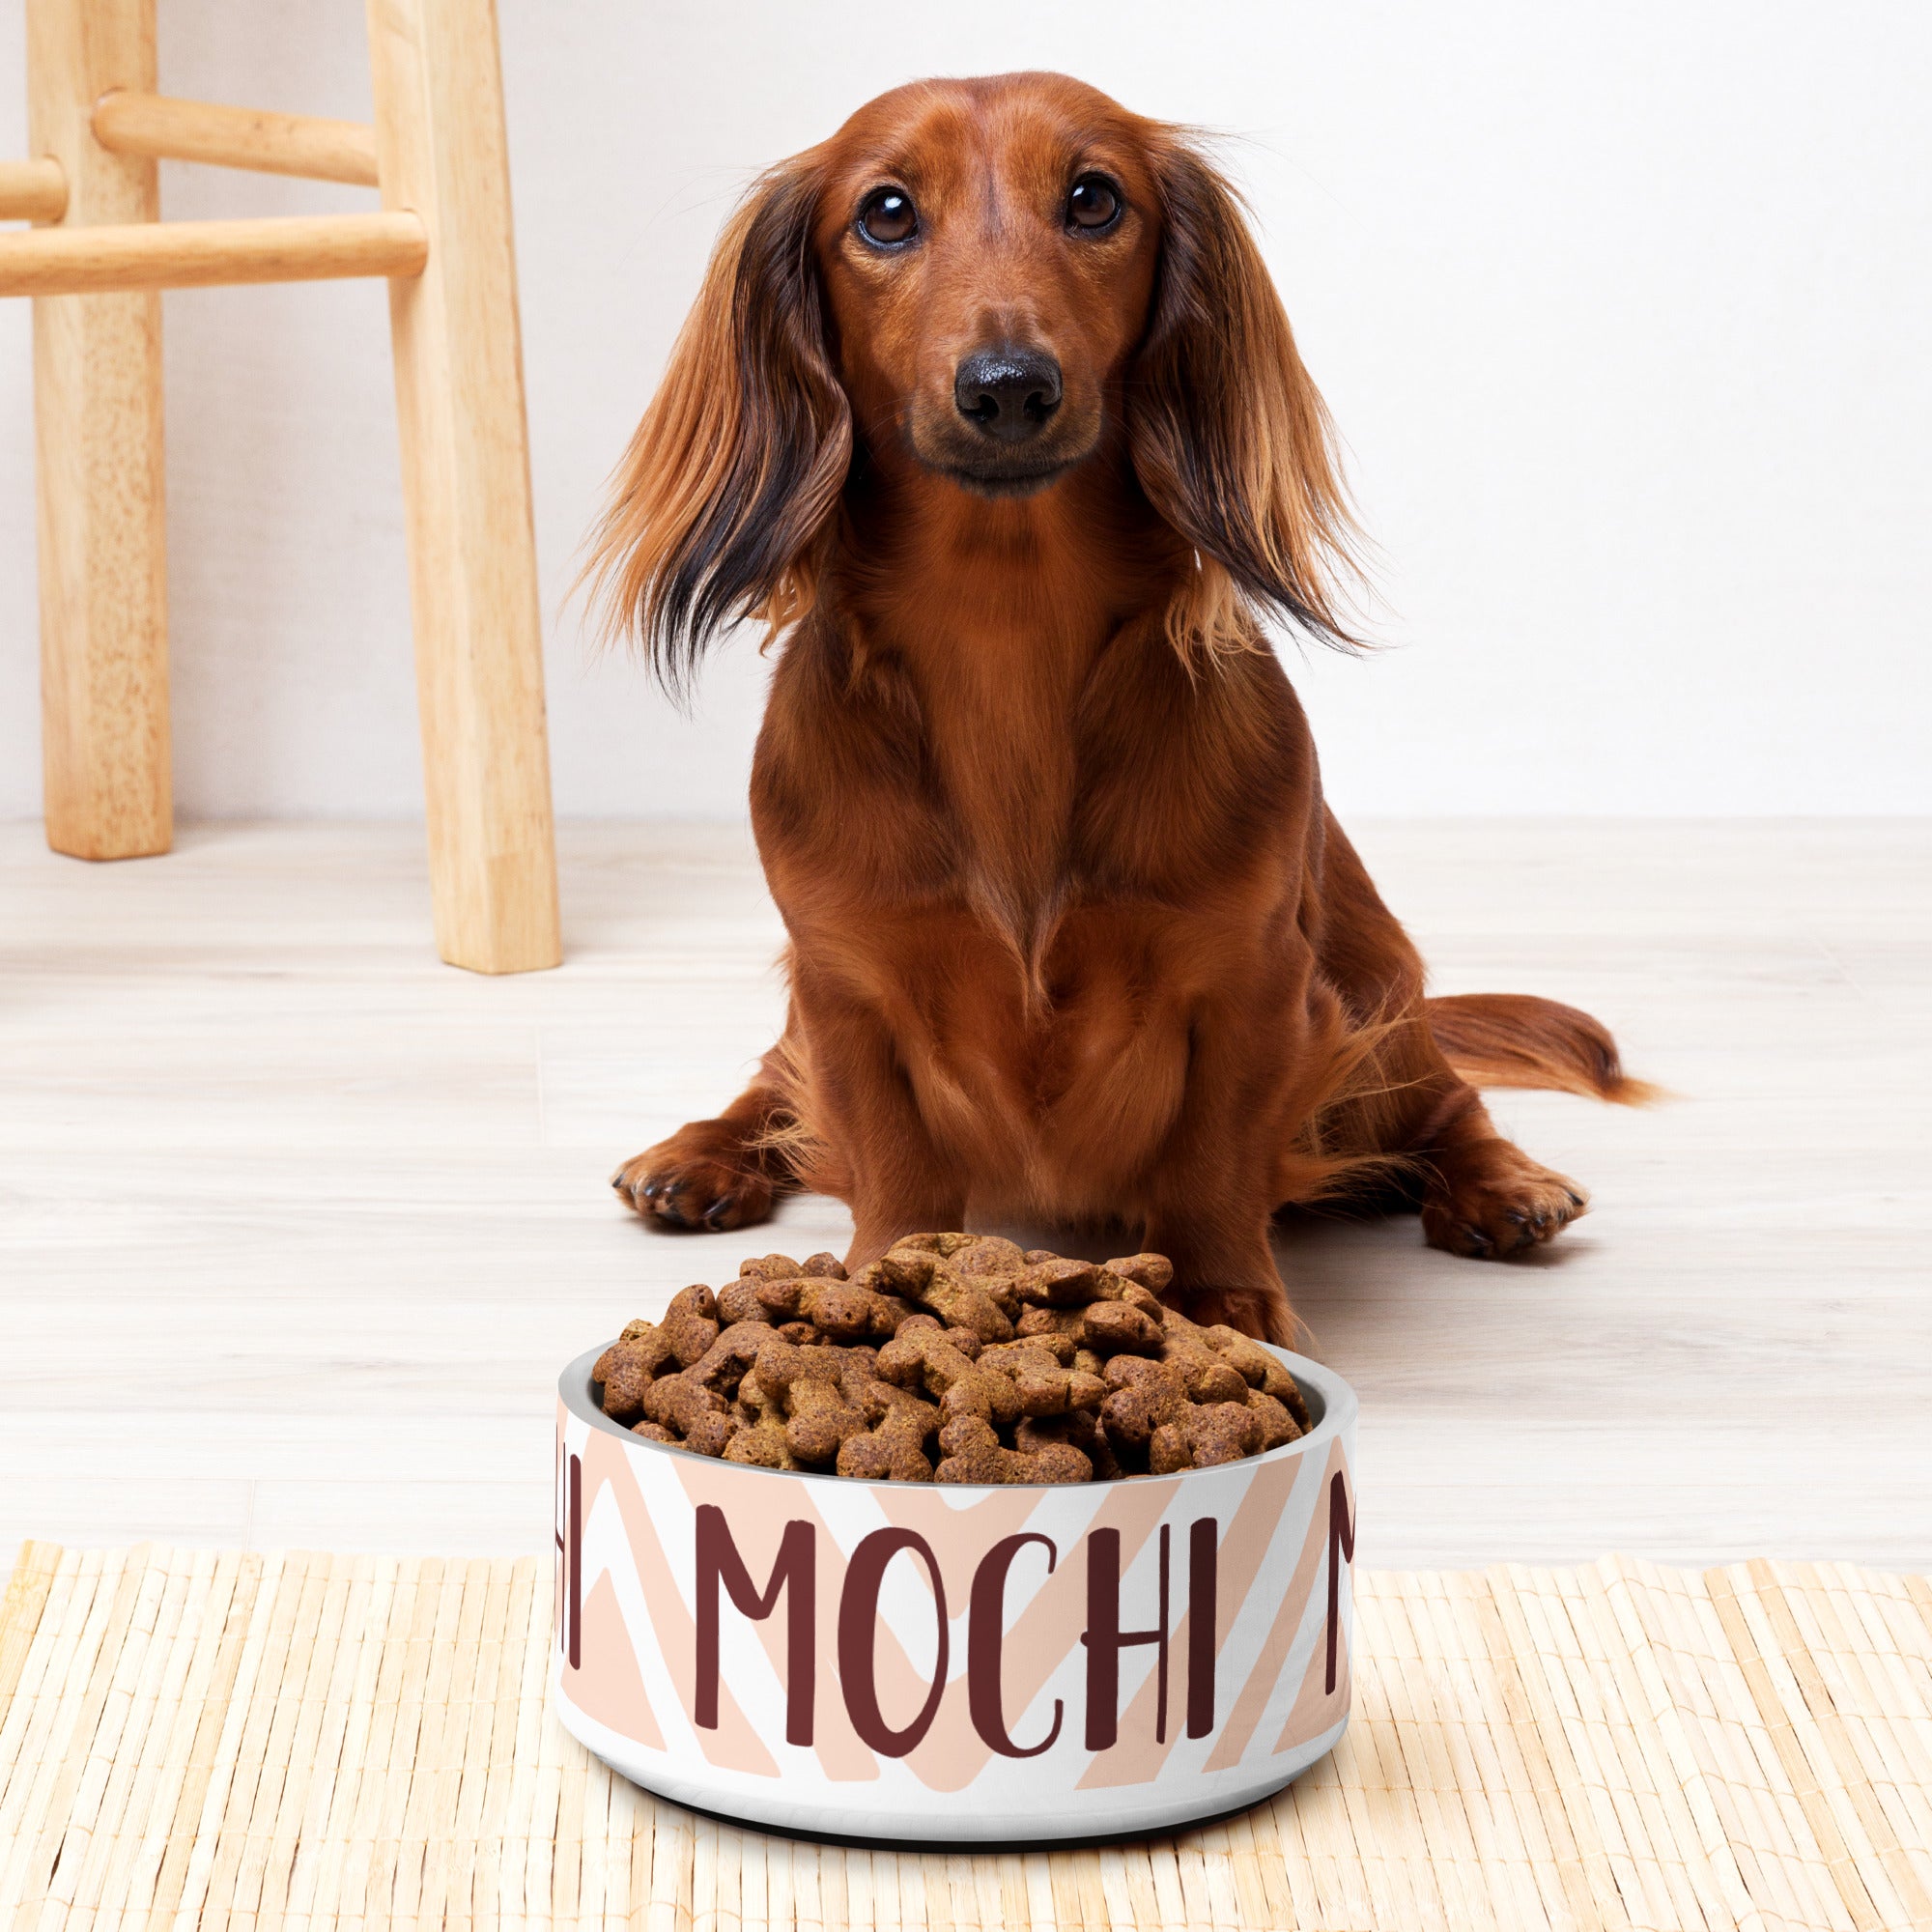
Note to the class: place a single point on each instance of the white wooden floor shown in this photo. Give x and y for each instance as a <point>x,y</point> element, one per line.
<point>297,1225</point>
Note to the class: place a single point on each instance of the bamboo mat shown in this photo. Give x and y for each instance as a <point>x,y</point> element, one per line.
<point>193,1738</point>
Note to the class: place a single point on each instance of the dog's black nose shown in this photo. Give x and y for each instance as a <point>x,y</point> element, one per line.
<point>1010,393</point>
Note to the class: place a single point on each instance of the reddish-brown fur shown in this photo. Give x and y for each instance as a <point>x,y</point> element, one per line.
<point>1073,935</point>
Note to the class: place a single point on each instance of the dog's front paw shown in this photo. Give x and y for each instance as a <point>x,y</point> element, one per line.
<point>693,1182</point>
<point>1491,1201</point>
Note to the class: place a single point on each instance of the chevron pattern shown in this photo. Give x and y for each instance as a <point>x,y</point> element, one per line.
<point>215,1739</point>
<point>1218,1643</point>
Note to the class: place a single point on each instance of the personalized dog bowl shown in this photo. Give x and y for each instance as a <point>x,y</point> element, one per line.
<point>923,1662</point>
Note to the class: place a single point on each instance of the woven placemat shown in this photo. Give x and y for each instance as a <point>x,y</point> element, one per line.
<point>195,1737</point>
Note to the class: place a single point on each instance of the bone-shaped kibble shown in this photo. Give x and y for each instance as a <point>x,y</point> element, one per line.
<point>1055,1344</point>
<point>1037,1323</point>
<point>1136,1317</point>
<point>859,1377</point>
<point>1207,1376</point>
<point>989,1257</point>
<point>1030,1367</point>
<point>1278,1425</point>
<point>875,1399</point>
<point>1212,1381</point>
<point>1153,1272</point>
<point>923,1278</point>
<point>1044,1385</point>
<point>769,1268</point>
<point>690,1324</point>
<point>761,1443</point>
<point>1078,1429</point>
<point>699,1415</point>
<point>808,1380</point>
<point>1065,1284</point>
<point>725,1363</point>
<point>964,1340</point>
<point>1207,1435</point>
<point>738,1300</point>
<point>973,1454</point>
<point>1258,1369</point>
<point>942,1245</point>
<point>922,1359</point>
<point>842,1310</point>
<point>756,1401</point>
<point>1117,1328</point>
<point>1146,1395</point>
<point>626,1368</point>
<point>893,1448</point>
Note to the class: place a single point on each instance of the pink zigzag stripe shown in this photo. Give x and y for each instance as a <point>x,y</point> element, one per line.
<point>1280,1639</point>
<point>1244,1545</point>
<point>735,1744</point>
<point>1315,1707</point>
<point>951,1754</point>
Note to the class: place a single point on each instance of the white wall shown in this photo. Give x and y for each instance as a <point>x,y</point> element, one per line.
<point>1622,311</point>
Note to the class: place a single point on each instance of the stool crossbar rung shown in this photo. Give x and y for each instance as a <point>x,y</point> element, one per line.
<point>199,254</point>
<point>129,123</point>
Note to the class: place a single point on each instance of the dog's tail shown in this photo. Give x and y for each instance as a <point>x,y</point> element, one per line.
<point>1515,1039</point>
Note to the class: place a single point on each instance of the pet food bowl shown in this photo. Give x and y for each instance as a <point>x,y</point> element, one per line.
<point>923,1662</point>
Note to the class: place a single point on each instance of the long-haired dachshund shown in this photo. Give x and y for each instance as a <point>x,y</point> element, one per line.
<point>989,411</point>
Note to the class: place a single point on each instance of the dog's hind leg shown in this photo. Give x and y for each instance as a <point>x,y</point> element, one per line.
<point>723,1173</point>
<point>1479,1194</point>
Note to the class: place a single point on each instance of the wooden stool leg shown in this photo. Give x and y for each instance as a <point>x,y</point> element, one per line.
<point>467,482</point>
<point>98,434</point>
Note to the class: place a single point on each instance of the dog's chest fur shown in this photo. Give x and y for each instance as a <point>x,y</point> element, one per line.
<point>1024,877</point>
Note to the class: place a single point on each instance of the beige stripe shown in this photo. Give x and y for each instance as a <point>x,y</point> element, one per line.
<point>302,1724</point>
<point>1877,1703</point>
<point>1829,1839</point>
<point>89,1678</point>
<point>1761,1818</point>
<point>27,1590</point>
<point>34,1702</point>
<point>1879,1834</point>
<point>122,1765</point>
<point>173,1811</point>
<point>264,1760</point>
<point>1548,1743</point>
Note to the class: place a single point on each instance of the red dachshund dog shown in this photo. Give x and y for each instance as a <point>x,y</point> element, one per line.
<point>989,411</point>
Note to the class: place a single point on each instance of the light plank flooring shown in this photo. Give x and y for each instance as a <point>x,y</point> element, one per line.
<point>298,1225</point>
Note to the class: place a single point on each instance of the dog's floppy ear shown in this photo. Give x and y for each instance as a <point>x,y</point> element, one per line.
<point>719,504</point>
<point>1231,439</point>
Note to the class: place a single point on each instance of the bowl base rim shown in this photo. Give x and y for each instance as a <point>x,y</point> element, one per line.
<point>819,1824</point>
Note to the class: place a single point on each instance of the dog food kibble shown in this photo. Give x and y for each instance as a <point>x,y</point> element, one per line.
<point>955,1358</point>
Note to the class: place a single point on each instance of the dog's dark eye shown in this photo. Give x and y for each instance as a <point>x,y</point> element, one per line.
<point>1095,203</point>
<point>888,217</point>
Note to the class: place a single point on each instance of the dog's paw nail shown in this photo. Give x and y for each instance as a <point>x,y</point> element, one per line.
<point>1479,1242</point>
<point>1574,1200</point>
<point>714,1215</point>
<point>1518,1216</point>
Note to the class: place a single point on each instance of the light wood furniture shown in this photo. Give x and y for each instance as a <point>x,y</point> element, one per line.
<point>442,238</point>
<point>346,1211</point>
